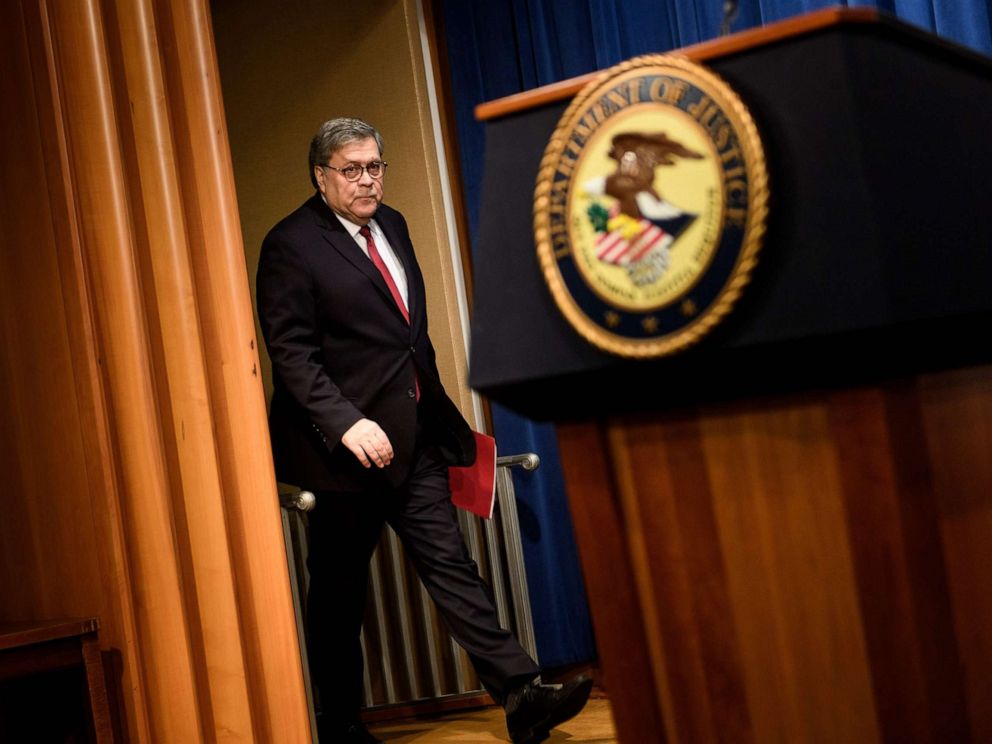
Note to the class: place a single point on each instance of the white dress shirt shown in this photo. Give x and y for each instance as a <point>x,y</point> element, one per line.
<point>385,251</point>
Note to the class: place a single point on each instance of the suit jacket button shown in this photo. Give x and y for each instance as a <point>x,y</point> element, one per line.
<point>411,393</point>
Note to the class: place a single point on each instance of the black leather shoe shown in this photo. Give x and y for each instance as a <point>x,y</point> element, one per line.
<point>534,709</point>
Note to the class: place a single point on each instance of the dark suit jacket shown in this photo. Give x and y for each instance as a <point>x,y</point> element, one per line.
<point>341,351</point>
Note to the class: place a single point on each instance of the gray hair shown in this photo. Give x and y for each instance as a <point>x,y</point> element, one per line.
<point>335,134</point>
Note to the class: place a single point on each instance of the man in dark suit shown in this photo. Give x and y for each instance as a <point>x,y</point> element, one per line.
<point>359,416</point>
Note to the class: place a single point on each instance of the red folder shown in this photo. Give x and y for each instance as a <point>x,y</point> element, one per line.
<point>474,488</point>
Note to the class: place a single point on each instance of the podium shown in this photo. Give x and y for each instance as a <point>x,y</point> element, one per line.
<point>786,530</point>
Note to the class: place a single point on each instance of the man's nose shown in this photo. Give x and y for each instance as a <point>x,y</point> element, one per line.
<point>365,179</point>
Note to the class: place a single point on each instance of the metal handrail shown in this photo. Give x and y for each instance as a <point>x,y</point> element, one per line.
<point>528,461</point>
<point>305,501</point>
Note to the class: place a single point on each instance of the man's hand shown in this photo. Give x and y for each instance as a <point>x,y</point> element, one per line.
<point>369,443</point>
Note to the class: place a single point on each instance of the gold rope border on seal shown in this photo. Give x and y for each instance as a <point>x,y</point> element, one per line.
<point>754,230</point>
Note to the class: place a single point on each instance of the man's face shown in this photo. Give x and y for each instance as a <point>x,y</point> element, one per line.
<point>353,200</point>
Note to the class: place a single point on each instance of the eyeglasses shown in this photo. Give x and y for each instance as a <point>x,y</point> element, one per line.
<point>353,171</point>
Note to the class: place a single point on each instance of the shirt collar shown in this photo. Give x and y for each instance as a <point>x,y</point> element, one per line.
<point>351,227</point>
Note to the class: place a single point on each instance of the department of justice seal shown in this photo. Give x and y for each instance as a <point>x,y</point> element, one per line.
<point>650,206</point>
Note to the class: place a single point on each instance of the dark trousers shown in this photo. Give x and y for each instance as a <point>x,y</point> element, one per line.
<point>344,530</point>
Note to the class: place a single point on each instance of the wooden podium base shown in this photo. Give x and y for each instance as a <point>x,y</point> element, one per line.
<point>798,568</point>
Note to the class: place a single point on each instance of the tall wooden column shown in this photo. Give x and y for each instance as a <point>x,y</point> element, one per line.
<point>134,438</point>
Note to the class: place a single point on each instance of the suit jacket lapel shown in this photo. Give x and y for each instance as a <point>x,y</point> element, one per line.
<point>339,238</point>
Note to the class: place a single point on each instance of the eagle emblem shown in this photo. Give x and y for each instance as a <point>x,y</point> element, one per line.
<point>650,206</point>
<point>636,231</point>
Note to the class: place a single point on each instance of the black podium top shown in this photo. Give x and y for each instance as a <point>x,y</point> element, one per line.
<point>877,260</point>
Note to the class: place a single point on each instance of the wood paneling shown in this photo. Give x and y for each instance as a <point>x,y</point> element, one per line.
<point>895,537</point>
<point>624,635</point>
<point>92,157</point>
<point>133,428</point>
<point>237,400</point>
<point>679,536</point>
<point>957,421</point>
<point>802,568</point>
<point>61,536</point>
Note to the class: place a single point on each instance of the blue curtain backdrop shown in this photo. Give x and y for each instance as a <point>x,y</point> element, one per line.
<point>500,47</point>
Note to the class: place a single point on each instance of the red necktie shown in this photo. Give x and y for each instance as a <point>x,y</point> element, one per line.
<point>393,289</point>
<point>384,270</point>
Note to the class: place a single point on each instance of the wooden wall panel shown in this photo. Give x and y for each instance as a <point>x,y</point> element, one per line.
<point>133,426</point>
<point>91,155</point>
<point>807,567</point>
<point>177,345</point>
<point>217,257</point>
<point>63,552</point>
<point>41,436</point>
